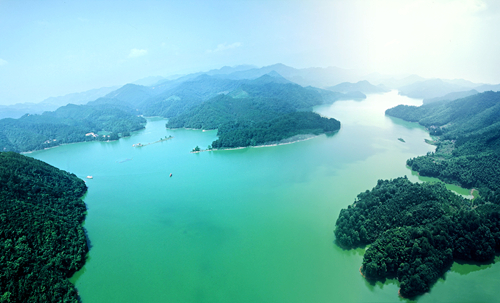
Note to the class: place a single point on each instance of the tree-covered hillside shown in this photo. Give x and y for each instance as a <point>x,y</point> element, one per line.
<point>416,231</point>
<point>246,133</point>
<point>42,241</point>
<point>468,141</point>
<point>68,124</point>
<point>186,95</point>
<point>259,112</point>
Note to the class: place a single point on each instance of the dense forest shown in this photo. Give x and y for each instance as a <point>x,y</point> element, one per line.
<point>467,135</point>
<point>416,231</point>
<point>194,101</point>
<point>258,113</point>
<point>42,241</point>
<point>68,124</point>
<point>243,134</point>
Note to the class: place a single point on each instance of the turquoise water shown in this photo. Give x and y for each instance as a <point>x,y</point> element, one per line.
<point>247,225</point>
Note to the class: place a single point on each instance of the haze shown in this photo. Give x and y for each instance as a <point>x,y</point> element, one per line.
<point>53,48</point>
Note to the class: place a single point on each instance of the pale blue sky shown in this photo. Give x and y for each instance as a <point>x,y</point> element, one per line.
<point>52,48</point>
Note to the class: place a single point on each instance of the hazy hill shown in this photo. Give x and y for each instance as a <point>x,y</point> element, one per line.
<point>17,110</point>
<point>184,96</point>
<point>395,83</point>
<point>132,95</point>
<point>430,89</point>
<point>487,87</point>
<point>149,81</point>
<point>79,98</point>
<point>314,76</point>
<point>360,86</point>
<point>452,96</point>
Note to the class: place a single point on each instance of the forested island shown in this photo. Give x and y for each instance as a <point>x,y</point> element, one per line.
<point>417,230</point>
<point>264,111</point>
<point>42,241</point>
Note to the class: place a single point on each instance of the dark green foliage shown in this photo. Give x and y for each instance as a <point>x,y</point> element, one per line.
<point>473,115</point>
<point>242,134</point>
<point>42,241</point>
<point>416,230</point>
<point>68,124</point>
<point>468,148</point>
<point>258,112</point>
<point>187,95</point>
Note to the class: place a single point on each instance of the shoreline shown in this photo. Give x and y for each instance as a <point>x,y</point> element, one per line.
<point>256,146</point>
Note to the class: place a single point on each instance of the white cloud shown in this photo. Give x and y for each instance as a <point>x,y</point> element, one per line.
<point>2,62</point>
<point>134,53</point>
<point>224,46</point>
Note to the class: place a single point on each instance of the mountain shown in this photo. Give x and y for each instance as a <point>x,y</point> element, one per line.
<point>430,89</point>
<point>314,76</point>
<point>488,87</point>
<point>132,95</point>
<point>468,142</point>
<point>416,230</point>
<point>451,96</point>
<point>360,86</point>
<point>68,124</point>
<point>79,98</point>
<point>185,95</point>
<point>396,83</point>
<point>256,100</point>
<point>259,111</point>
<point>18,110</point>
<point>149,81</point>
<point>230,69</point>
<point>462,82</point>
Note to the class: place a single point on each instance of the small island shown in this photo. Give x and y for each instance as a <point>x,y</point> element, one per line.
<point>161,140</point>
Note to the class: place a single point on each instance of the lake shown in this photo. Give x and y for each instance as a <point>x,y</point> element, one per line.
<point>246,225</point>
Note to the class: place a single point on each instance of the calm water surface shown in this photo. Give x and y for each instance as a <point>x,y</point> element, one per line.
<point>248,225</point>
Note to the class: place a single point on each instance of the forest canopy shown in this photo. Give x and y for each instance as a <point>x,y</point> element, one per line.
<point>68,124</point>
<point>42,241</point>
<point>416,231</point>
<point>259,113</point>
<point>467,135</point>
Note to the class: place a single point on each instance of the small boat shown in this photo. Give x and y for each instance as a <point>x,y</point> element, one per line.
<point>90,177</point>
<point>170,174</point>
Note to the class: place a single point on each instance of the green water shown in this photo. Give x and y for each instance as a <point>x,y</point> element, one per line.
<point>248,225</point>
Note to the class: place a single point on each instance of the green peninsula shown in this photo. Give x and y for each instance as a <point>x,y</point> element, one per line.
<point>416,231</point>
<point>42,241</point>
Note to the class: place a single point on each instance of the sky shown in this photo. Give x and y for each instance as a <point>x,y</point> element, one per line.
<point>53,48</point>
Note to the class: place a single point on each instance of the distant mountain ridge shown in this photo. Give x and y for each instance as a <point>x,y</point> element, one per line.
<point>360,86</point>
<point>452,96</point>
<point>430,89</point>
